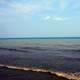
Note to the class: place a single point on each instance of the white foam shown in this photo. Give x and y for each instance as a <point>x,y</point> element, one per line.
<point>68,75</point>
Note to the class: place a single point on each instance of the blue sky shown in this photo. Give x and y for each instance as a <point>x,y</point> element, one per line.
<point>39,18</point>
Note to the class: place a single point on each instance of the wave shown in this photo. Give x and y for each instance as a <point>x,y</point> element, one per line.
<point>27,49</point>
<point>71,50</point>
<point>68,75</point>
<point>13,49</point>
<point>33,48</point>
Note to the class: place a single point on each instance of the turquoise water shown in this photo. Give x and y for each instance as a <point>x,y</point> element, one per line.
<point>43,42</point>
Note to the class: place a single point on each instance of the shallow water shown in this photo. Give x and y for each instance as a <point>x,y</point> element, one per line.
<point>53,54</point>
<point>20,74</point>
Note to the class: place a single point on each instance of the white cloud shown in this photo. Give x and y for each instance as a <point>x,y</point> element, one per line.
<point>57,18</point>
<point>26,6</point>
<point>47,18</point>
<point>19,7</point>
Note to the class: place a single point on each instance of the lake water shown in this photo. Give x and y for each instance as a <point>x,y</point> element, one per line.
<point>53,54</point>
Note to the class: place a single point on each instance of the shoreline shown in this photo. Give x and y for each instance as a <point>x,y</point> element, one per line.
<point>68,75</point>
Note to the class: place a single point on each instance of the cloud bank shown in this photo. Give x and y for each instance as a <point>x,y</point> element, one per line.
<point>51,7</point>
<point>57,18</point>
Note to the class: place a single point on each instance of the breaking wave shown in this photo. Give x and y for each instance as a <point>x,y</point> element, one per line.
<point>68,75</point>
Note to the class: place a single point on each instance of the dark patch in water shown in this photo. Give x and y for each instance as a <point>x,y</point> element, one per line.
<point>73,50</point>
<point>28,49</point>
<point>11,49</point>
<point>33,48</point>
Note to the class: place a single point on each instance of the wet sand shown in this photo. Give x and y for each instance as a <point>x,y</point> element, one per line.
<point>11,72</point>
<point>16,74</point>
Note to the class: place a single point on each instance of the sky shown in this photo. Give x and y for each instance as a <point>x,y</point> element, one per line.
<point>39,18</point>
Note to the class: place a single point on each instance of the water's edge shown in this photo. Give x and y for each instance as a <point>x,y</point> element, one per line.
<point>68,75</point>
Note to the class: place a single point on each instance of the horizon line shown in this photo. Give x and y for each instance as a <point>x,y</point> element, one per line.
<point>40,38</point>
